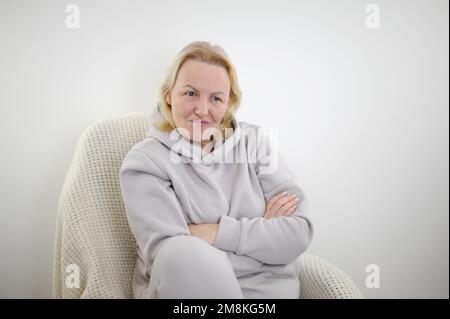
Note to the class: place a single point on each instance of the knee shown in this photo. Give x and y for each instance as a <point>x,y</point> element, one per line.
<point>186,253</point>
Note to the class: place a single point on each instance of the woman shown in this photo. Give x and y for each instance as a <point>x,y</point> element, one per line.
<point>212,216</point>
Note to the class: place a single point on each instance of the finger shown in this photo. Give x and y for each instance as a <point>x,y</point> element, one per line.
<point>282,201</point>
<point>278,203</point>
<point>274,199</point>
<point>283,209</point>
<point>269,212</point>
<point>290,210</point>
<point>293,202</point>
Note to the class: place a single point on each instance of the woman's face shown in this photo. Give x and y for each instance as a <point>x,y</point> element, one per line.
<point>199,97</point>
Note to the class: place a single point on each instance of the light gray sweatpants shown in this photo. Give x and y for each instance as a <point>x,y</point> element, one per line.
<point>189,267</point>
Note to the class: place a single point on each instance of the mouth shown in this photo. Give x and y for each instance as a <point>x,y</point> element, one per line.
<point>200,121</point>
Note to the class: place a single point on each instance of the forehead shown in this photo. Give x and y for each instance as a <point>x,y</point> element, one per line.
<point>203,76</point>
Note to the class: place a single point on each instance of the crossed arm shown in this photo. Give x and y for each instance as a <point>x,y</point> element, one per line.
<point>282,204</point>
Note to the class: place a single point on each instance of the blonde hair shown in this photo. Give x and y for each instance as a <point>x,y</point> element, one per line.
<point>201,51</point>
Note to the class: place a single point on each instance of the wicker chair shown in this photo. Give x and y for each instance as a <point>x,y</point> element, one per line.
<point>93,233</point>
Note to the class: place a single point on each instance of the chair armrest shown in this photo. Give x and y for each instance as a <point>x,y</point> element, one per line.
<point>320,279</point>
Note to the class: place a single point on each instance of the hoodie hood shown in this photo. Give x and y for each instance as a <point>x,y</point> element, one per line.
<point>190,151</point>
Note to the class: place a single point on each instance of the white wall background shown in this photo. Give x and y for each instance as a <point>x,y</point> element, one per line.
<point>363,116</point>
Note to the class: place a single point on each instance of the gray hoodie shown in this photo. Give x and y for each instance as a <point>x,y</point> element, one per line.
<point>167,182</point>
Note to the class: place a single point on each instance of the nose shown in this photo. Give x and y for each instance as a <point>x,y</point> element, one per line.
<point>201,109</point>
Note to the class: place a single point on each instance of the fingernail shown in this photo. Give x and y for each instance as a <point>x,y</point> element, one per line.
<point>294,206</point>
<point>296,200</point>
<point>284,193</point>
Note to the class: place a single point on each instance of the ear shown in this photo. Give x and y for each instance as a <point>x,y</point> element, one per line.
<point>168,100</point>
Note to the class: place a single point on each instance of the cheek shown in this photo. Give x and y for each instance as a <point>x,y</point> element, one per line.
<point>181,110</point>
<point>218,114</point>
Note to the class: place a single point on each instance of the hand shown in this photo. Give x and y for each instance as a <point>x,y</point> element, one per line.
<point>204,231</point>
<point>281,204</point>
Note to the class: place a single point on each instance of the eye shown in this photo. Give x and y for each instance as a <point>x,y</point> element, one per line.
<point>217,99</point>
<point>189,93</point>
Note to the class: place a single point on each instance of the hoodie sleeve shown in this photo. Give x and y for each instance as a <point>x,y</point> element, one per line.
<point>278,240</point>
<point>152,208</point>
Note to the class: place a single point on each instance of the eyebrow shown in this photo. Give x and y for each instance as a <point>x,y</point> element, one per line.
<point>187,85</point>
